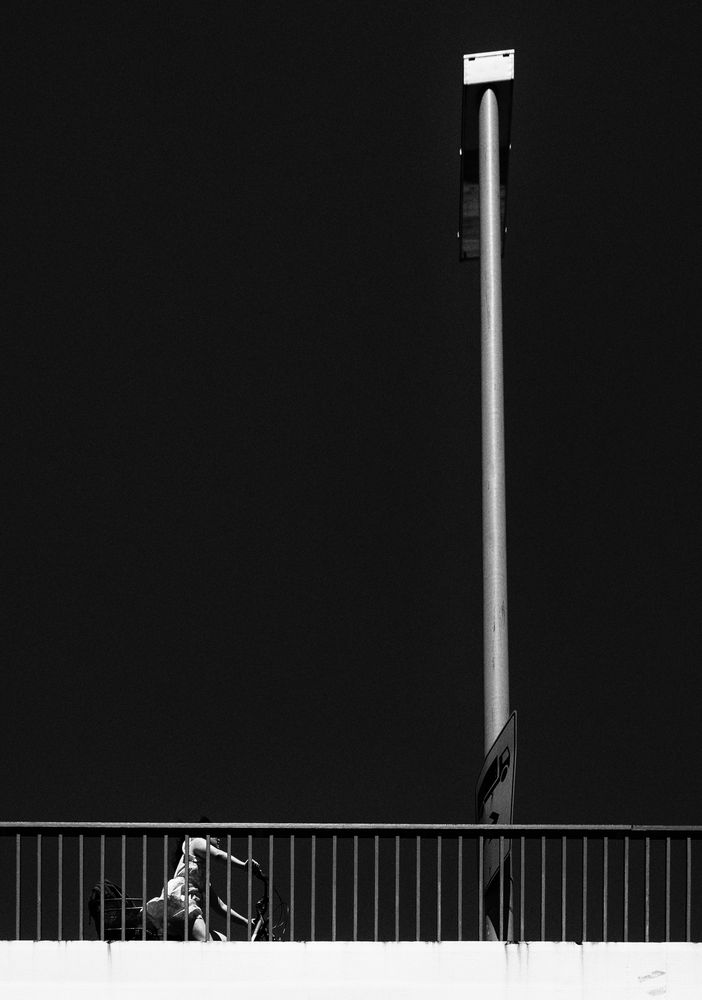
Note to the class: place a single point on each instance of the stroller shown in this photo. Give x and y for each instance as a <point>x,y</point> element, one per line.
<point>113,903</point>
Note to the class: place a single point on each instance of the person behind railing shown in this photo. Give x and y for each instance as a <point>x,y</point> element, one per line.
<point>174,892</point>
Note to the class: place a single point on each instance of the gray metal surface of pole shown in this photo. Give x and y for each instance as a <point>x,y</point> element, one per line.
<point>495,650</point>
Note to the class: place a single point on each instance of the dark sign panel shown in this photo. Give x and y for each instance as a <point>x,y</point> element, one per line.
<point>494,803</point>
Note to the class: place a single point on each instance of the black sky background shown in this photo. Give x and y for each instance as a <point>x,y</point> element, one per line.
<point>244,567</point>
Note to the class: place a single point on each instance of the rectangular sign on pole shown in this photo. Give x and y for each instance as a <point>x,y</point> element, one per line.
<point>496,70</point>
<point>494,803</point>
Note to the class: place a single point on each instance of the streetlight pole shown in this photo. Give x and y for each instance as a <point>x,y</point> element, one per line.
<point>495,646</point>
<point>487,106</point>
<point>487,109</point>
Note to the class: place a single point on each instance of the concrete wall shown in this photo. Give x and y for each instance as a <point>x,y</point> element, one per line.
<point>345,971</point>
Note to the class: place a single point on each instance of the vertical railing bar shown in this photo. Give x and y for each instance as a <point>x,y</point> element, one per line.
<point>208,841</point>
<point>334,849</point>
<point>249,884</point>
<point>376,866</point>
<point>144,863</point>
<point>647,889</point>
<point>355,887</point>
<point>481,900</point>
<point>165,886</point>
<point>543,888</point>
<point>564,882</point>
<point>313,888</point>
<point>626,889</point>
<point>123,907</point>
<point>80,886</point>
<point>228,926</point>
<point>60,886</point>
<point>38,887</point>
<point>397,887</point>
<point>688,891</point>
<point>102,886</point>
<point>18,885</point>
<point>271,877</point>
<point>585,888</point>
<point>186,888</point>
<point>605,886</point>
<point>292,886</point>
<point>418,889</point>
<point>501,872</point>
<point>438,888</point>
<point>522,883</point>
<point>667,889</point>
<point>460,888</point>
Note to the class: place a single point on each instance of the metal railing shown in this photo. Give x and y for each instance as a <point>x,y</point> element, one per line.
<point>377,882</point>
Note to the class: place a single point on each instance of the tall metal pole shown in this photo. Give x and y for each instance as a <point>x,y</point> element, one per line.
<point>495,655</point>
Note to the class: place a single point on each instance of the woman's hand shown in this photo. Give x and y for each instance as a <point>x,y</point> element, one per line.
<point>257,870</point>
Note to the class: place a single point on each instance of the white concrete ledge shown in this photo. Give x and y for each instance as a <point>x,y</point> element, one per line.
<point>350,971</point>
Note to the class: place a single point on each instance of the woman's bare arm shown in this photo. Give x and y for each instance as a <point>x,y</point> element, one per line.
<point>220,906</point>
<point>198,845</point>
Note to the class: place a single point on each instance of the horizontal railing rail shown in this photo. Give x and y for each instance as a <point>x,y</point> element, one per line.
<point>361,881</point>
